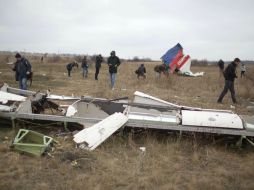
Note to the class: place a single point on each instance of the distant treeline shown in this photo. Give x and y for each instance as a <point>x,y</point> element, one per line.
<point>7,56</point>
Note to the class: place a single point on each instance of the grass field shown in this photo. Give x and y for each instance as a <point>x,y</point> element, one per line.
<point>193,162</point>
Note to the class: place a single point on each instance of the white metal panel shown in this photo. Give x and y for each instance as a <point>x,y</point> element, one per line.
<point>61,97</point>
<point>185,69</point>
<point>6,96</point>
<point>71,111</point>
<point>186,66</point>
<point>5,108</point>
<point>92,137</point>
<point>249,127</point>
<point>211,119</point>
<point>85,109</point>
<point>24,107</point>
<point>189,73</point>
<point>156,118</point>
<point>141,97</point>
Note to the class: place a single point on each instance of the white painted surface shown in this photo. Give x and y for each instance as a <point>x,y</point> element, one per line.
<point>141,97</point>
<point>85,109</point>
<point>211,119</point>
<point>71,111</point>
<point>6,96</point>
<point>185,69</point>
<point>148,97</point>
<point>189,73</point>
<point>186,66</point>
<point>4,87</point>
<point>61,97</point>
<point>156,118</point>
<point>5,108</point>
<point>249,126</point>
<point>90,138</point>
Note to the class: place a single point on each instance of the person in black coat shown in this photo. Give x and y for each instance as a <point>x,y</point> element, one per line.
<point>23,70</point>
<point>70,66</point>
<point>113,64</point>
<point>229,75</point>
<point>141,71</point>
<point>98,61</point>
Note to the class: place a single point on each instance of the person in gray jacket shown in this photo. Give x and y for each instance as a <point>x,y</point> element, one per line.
<point>23,70</point>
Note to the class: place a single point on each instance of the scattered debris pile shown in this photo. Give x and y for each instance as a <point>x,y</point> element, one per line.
<point>98,118</point>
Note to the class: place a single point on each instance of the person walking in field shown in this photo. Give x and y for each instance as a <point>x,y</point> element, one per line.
<point>141,71</point>
<point>23,70</point>
<point>98,61</point>
<point>84,67</point>
<point>113,64</point>
<point>243,70</point>
<point>221,67</point>
<point>70,66</point>
<point>230,75</point>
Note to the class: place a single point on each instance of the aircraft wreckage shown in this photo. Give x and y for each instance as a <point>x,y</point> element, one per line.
<point>99,118</point>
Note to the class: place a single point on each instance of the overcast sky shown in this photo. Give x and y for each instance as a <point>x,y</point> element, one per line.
<point>211,29</point>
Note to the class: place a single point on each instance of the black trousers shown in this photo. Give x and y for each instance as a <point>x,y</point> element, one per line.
<point>229,85</point>
<point>97,71</point>
<point>242,73</point>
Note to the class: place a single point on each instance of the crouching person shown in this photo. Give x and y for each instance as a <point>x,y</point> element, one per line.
<point>70,66</point>
<point>141,71</point>
<point>23,69</point>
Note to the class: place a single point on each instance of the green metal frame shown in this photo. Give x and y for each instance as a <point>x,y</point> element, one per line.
<point>31,142</point>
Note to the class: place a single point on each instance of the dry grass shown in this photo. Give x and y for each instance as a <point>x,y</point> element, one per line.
<point>194,162</point>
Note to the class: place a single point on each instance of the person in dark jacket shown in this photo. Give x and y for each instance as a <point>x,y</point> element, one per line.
<point>70,66</point>
<point>162,68</point>
<point>98,61</point>
<point>230,75</point>
<point>23,70</point>
<point>113,64</point>
<point>221,67</point>
<point>141,71</point>
<point>84,67</point>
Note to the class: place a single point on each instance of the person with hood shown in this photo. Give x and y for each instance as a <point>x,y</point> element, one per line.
<point>69,67</point>
<point>84,67</point>
<point>23,71</point>
<point>98,61</point>
<point>113,64</point>
<point>230,75</point>
<point>141,71</point>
